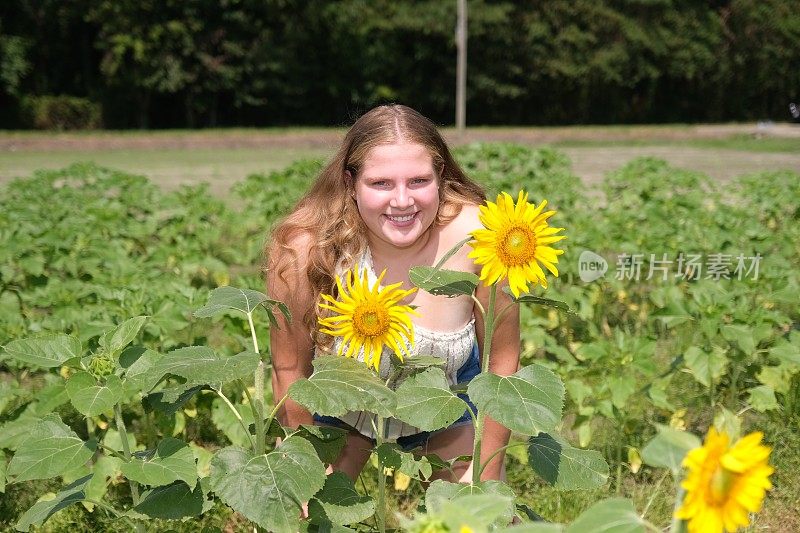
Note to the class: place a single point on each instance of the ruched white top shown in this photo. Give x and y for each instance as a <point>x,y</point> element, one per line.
<point>454,347</point>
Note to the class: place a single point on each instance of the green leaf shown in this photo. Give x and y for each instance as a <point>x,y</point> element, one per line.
<point>226,298</point>
<point>622,387</point>
<point>47,351</point>
<point>668,448</point>
<point>425,401</point>
<point>201,365</point>
<point>476,511</point>
<point>143,374</point>
<point>529,401</point>
<point>762,398</point>
<point>269,489</point>
<point>727,422</point>
<point>105,467</point>
<point>172,460</point>
<point>565,467</point>
<point>706,366</point>
<point>443,282</point>
<point>51,449</point>
<point>538,300</point>
<point>441,492</point>
<point>786,353</point>
<point>534,527</point>
<point>339,503</point>
<point>172,502</point>
<point>170,399</point>
<point>742,335</point>
<point>390,455</point>
<point>3,467</point>
<point>92,397</point>
<point>226,421</point>
<point>118,338</point>
<point>14,433</point>
<point>341,384</point>
<point>778,378</point>
<point>615,515</point>
<point>42,510</point>
<point>47,399</point>
<point>327,441</point>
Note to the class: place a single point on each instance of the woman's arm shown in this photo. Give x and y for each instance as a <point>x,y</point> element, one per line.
<point>290,344</point>
<point>504,361</point>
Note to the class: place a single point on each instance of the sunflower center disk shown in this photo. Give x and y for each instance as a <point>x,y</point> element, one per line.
<point>517,247</point>
<point>371,320</point>
<point>721,482</point>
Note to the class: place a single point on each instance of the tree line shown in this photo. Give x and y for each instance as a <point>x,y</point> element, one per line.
<point>202,63</point>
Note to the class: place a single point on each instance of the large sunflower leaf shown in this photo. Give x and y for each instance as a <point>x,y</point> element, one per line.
<point>143,374</point>
<point>92,397</point>
<point>171,502</point>
<point>668,448</point>
<point>565,467</point>
<point>425,401</point>
<point>172,460</point>
<point>268,489</point>
<point>42,510</point>
<point>339,503</point>
<point>443,282</point>
<point>478,512</point>
<point>441,492</point>
<point>529,401</point>
<point>201,365</point>
<point>327,441</point>
<point>245,300</point>
<point>341,384</point>
<point>615,515</point>
<point>51,448</point>
<point>45,351</point>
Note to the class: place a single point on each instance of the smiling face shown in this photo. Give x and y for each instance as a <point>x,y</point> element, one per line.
<point>397,193</point>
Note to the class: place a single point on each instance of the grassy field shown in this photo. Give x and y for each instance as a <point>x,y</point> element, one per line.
<point>223,157</point>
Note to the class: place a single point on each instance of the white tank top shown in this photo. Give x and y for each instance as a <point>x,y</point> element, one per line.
<point>454,347</point>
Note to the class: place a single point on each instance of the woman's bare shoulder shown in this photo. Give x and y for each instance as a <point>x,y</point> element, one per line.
<point>467,220</point>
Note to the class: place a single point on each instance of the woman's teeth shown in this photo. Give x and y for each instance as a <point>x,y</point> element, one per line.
<point>404,218</point>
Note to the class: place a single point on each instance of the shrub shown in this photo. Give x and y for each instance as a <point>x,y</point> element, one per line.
<point>62,112</point>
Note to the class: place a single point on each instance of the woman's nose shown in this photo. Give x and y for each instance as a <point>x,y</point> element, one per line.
<point>401,199</point>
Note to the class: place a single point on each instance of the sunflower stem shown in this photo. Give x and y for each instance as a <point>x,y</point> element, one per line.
<point>380,511</point>
<point>258,404</point>
<point>487,350</point>
<point>677,523</point>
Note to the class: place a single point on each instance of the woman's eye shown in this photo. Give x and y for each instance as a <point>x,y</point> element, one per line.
<point>419,181</point>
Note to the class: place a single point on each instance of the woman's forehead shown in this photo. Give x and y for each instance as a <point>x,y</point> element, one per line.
<point>397,158</point>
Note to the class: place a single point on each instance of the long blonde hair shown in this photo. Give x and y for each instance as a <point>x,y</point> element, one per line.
<point>328,212</point>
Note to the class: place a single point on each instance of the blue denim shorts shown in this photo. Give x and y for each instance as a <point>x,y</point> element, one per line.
<point>469,370</point>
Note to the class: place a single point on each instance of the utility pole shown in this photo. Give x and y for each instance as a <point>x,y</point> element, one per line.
<point>461,67</point>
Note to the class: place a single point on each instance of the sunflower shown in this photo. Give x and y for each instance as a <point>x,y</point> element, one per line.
<point>514,242</point>
<point>724,482</point>
<point>367,318</point>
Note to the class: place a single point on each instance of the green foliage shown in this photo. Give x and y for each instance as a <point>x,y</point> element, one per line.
<point>62,113</point>
<point>195,63</point>
<point>88,248</point>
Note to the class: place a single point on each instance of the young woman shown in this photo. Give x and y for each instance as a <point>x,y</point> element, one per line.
<point>391,198</point>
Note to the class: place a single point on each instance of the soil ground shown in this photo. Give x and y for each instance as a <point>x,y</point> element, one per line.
<point>223,157</point>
